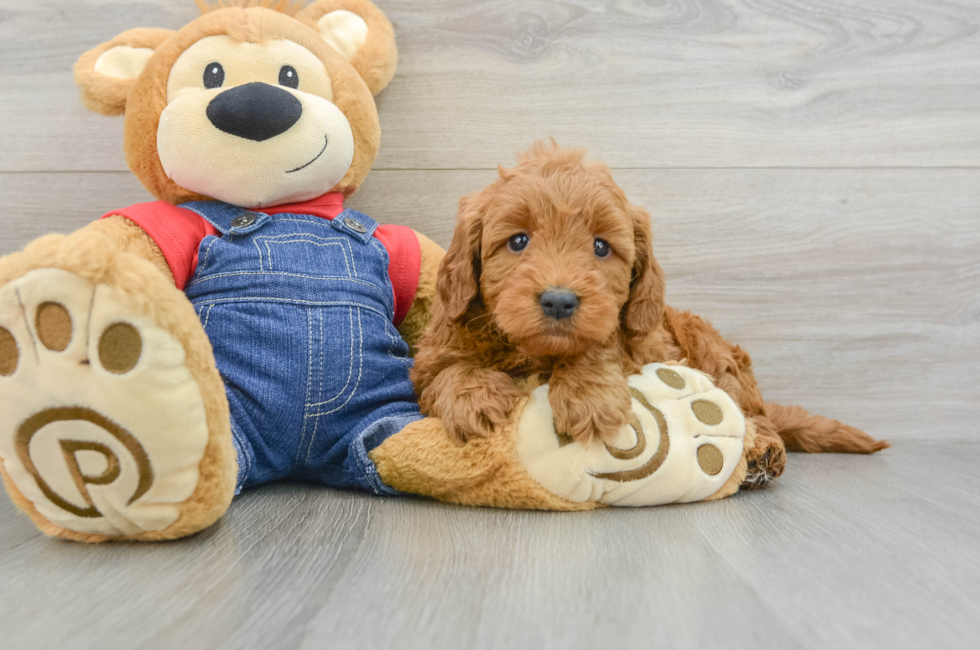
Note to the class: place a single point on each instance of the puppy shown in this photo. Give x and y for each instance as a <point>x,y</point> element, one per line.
<point>551,272</point>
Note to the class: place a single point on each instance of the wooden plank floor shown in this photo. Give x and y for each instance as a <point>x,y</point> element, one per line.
<point>813,172</point>
<point>846,552</point>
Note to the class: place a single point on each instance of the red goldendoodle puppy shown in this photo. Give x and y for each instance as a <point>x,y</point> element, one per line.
<point>551,272</point>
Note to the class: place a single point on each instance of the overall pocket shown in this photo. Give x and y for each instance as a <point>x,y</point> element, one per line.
<point>307,254</point>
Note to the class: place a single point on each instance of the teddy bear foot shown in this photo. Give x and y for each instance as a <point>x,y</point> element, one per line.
<point>685,441</point>
<point>111,423</point>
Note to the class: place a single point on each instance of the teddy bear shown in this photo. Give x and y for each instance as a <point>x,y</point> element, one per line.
<point>246,327</point>
<point>175,352</point>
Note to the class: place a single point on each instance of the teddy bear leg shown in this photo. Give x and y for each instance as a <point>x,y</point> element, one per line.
<point>114,422</point>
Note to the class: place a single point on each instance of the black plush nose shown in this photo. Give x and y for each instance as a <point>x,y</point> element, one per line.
<point>255,111</point>
<point>559,303</point>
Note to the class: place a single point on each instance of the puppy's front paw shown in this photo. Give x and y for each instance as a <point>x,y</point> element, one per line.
<point>477,408</point>
<point>583,409</point>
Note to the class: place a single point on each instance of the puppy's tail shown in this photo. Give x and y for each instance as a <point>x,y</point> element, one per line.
<point>802,431</point>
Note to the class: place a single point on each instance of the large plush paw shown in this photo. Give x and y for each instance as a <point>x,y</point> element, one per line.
<point>105,429</point>
<point>682,443</point>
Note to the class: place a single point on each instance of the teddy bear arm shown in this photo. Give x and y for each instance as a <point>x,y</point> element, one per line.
<point>420,313</point>
<point>128,237</point>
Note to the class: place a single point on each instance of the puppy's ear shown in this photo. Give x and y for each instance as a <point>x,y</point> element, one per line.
<point>105,73</point>
<point>361,33</point>
<point>645,305</point>
<point>459,272</point>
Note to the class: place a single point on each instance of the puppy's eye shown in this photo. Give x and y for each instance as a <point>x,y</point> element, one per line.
<point>288,77</point>
<point>214,75</point>
<point>518,242</point>
<point>602,248</point>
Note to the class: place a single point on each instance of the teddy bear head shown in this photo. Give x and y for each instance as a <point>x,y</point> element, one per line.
<point>259,104</point>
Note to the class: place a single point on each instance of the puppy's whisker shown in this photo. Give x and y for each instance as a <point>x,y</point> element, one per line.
<point>481,327</point>
<point>487,327</point>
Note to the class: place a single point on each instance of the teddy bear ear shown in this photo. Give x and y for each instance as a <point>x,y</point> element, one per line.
<point>361,33</point>
<point>105,73</point>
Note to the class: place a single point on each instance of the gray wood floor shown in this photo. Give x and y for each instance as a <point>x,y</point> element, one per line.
<point>813,172</point>
<point>845,552</point>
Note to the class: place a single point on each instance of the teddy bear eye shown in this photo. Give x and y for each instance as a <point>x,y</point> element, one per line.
<point>518,242</point>
<point>602,248</point>
<point>288,77</point>
<point>214,75</point>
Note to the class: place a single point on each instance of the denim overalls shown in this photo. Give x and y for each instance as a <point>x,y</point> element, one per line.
<point>299,312</point>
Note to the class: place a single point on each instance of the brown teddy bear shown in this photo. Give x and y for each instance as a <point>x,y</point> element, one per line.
<point>245,326</point>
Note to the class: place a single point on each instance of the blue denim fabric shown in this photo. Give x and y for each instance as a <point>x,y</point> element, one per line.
<point>299,312</point>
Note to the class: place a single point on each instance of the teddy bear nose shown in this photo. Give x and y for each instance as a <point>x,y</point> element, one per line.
<point>558,303</point>
<point>255,111</point>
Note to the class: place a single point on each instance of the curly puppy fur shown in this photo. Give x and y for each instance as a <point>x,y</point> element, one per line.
<point>489,328</point>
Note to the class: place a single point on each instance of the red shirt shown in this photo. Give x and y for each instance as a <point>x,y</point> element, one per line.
<point>179,233</point>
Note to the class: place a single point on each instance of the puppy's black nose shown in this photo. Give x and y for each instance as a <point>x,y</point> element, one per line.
<point>255,111</point>
<point>558,303</point>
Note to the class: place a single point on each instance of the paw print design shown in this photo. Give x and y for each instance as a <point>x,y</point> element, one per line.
<point>683,441</point>
<point>103,427</point>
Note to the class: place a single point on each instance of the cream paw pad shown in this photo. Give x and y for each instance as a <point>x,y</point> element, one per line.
<point>103,426</point>
<point>684,440</point>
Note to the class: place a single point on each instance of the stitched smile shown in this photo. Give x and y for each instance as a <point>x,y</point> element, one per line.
<point>325,140</point>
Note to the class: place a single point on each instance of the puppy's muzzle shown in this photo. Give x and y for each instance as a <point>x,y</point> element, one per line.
<point>254,111</point>
<point>559,303</point>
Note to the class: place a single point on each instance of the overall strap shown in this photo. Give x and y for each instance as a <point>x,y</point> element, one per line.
<point>356,224</point>
<point>227,218</point>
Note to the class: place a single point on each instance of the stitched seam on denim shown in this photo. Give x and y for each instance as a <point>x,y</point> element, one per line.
<point>364,470</point>
<point>259,249</point>
<point>241,445</point>
<point>245,447</point>
<point>324,241</point>
<point>369,470</point>
<point>309,396</point>
<point>320,346</point>
<point>350,369</point>
<point>207,255</point>
<point>319,381</point>
<point>394,341</point>
<point>333,278</point>
<point>207,317</point>
<point>386,277</point>
<point>360,369</point>
<point>288,301</point>
<point>268,248</point>
<point>309,385</point>
<point>391,343</point>
<point>314,221</point>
